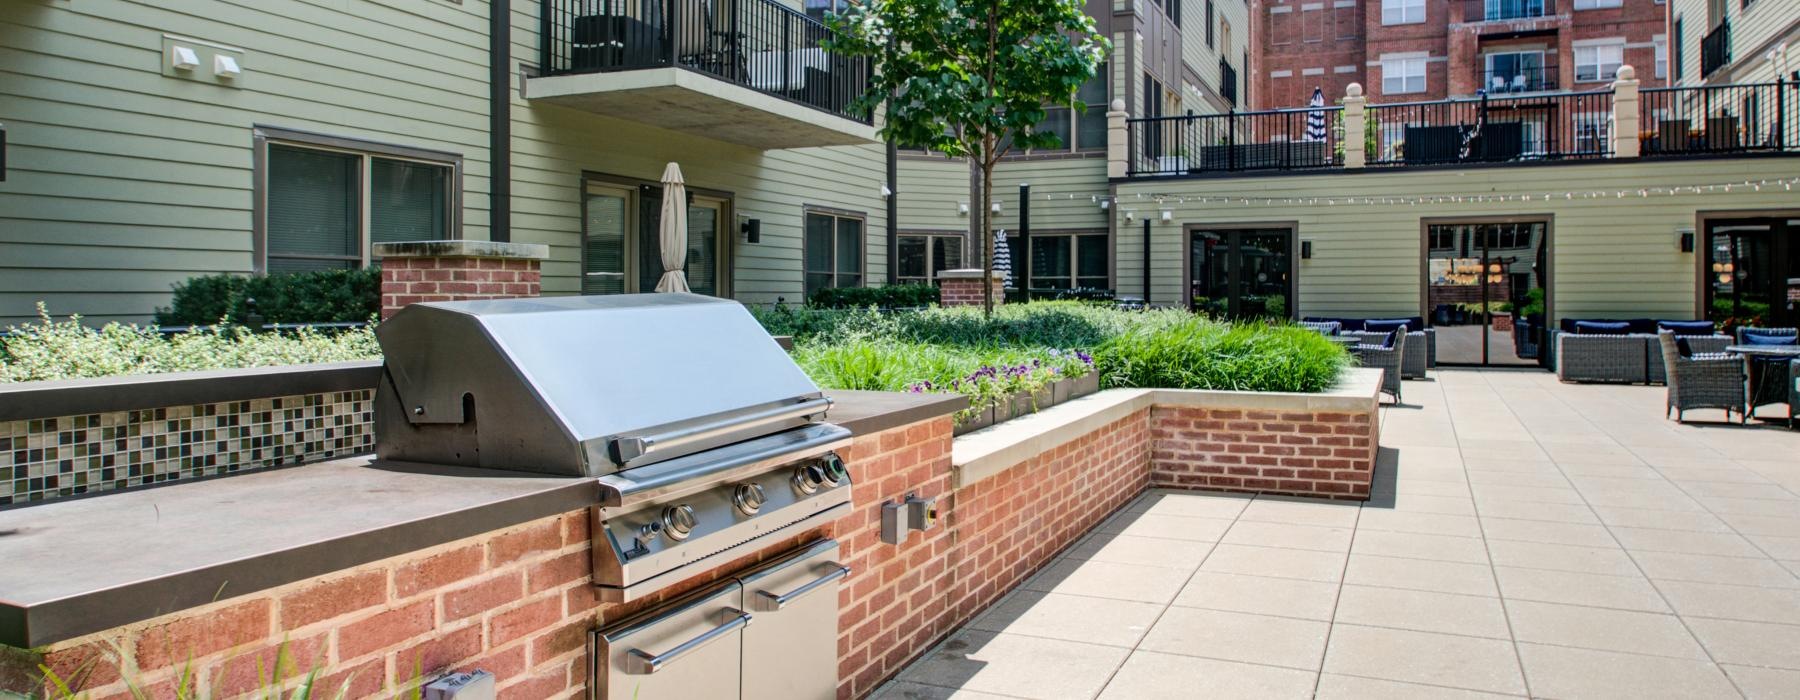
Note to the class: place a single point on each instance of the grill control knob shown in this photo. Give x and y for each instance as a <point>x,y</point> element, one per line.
<point>833,465</point>
<point>748,497</point>
<point>808,478</point>
<point>678,521</point>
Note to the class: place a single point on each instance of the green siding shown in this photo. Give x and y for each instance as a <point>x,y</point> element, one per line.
<point>1611,256</point>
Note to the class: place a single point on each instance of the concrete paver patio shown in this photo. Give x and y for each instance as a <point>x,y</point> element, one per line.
<point>1527,538</point>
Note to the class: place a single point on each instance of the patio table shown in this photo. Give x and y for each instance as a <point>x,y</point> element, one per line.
<point>1761,389</point>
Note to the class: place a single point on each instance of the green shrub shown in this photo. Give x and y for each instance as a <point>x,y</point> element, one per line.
<point>985,375</point>
<point>1197,353</point>
<point>893,296</point>
<point>325,296</point>
<point>51,349</point>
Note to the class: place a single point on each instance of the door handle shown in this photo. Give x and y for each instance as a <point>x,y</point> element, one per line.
<point>770,602</point>
<point>640,662</point>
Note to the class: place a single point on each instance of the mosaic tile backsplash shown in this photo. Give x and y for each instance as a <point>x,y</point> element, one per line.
<point>47,458</point>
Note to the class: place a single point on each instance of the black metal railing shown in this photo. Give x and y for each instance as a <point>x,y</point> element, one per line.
<point>760,44</point>
<point>1500,10</point>
<point>1284,139</point>
<point>1228,82</point>
<point>1491,129</point>
<point>1719,119</point>
<point>1498,81</point>
<point>1715,49</point>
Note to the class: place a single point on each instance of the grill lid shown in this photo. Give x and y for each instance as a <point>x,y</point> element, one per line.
<point>582,385</point>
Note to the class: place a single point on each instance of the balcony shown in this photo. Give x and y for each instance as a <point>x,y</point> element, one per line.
<point>1228,82</point>
<point>1507,10</point>
<point>1515,77</point>
<point>1715,49</point>
<point>750,72</point>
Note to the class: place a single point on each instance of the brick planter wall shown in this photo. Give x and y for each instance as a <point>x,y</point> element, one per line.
<point>963,288</point>
<point>424,271</point>
<point>1303,453</point>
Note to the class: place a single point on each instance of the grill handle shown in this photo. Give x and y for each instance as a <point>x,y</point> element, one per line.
<point>626,449</point>
<point>640,662</point>
<point>770,602</point>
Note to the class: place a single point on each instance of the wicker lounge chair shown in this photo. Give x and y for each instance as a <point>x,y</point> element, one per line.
<point>1703,380</point>
<point>1702,344</point>
<point>1323,327</point>
<point>1418,350</point>
<point>1388,357</point>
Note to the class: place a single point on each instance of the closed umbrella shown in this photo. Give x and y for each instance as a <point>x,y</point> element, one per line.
<point>672,237</point>
<point>1003,258</point>
<point>1315,119</point>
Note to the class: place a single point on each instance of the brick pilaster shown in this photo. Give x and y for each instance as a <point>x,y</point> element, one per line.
<point>422,271</point>
<point>963,288</point>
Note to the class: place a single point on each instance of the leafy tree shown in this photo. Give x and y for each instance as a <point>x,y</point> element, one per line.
<point>970,78</point>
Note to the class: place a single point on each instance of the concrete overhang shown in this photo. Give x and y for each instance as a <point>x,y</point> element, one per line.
<point>695,103</point>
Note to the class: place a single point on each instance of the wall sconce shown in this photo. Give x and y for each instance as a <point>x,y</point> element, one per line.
<point>1105,204</point>
<point>752,230</point>
<point>1167,216</point>
<point>886,191</point>
<point>962,208</point>
<point>1130,215</point>
<point>1305,250</point>
<point>1685,237</point>
<point>995,208</point>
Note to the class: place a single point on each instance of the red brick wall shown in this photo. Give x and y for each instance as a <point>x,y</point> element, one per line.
<point>412,280</point>
<point>990,536</point>
<point>1299,453</point>
<point>961,291</point>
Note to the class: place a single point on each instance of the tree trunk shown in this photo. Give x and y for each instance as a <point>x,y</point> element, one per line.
<point>987,235</point>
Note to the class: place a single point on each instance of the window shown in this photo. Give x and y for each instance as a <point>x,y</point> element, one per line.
<point>1596,4</point>
<point>922,256</point>
<point>833,251</point>
<point>817,9</point>
<point>1344,18</point>
<point>1080,130</point>
<point>1402,11</point>
<point>1444,237</point>
<point>1662,56</point>
<point>1209,24</point>
<point>621,238</point>
<point>1312,25</point>
<point>1598,62</point>
<point>1502,236</point>
<point>326,199</point>
<point>1402,75</point>
<point>1281,26</point>
<point>1515,71</point>
<point>1066,260</point>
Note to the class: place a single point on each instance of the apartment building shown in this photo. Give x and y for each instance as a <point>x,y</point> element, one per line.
<point>149,142</point>
<point>1732,41</point>
<point>1170,58</point>
<point>1415,50</point>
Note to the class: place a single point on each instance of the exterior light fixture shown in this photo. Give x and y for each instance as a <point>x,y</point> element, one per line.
<point>1105,204</point>
<point>1305,250</point>
<point>995,208</point>
<point>1130,215</point>
<point>1167,216</point>
<point>752,230</point>
<point>962,208</point>
<point>1684,237</point>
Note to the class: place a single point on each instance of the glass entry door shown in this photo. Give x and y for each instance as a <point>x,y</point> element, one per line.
<point>1486,291</point>
<point>1241,273</point>
<point>621,240</point>
<point>1753,272</point>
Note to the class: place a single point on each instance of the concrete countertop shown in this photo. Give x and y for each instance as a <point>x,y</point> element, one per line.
<point>83,565</point>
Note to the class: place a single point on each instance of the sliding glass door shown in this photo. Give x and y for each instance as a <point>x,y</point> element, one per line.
<point>1241,273</point>
<point>621,240</point>
<point>1753,272</point>
<point>1485,291</point>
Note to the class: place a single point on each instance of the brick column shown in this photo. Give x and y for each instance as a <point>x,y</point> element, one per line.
<point>963,288</point>
<point>418,271</point>
<point>1625,114</point>
<point>1356,126</point>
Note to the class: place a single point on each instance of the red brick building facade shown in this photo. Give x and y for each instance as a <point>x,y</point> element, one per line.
<point>1412,50</point>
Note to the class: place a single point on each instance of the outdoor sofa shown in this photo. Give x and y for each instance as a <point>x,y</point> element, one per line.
<point>1421,345</point>
<point>1625,350</point>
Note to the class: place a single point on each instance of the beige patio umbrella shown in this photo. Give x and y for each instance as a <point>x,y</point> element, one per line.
<point>673,234</point>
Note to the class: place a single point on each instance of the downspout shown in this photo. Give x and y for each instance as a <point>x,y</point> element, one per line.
<point>1146,261</point>
<point>500,120</point>
<point>1025,242</point>
<point>893,213</point>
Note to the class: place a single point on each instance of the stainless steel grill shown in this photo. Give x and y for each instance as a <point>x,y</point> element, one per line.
<point>704,436</point>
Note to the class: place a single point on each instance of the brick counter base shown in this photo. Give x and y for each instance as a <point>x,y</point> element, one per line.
<point>1288,452</point>
<point>413,280</point>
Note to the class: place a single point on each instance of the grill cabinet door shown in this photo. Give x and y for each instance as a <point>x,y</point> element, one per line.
<point>791,651</point>
<point>690,649</point>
